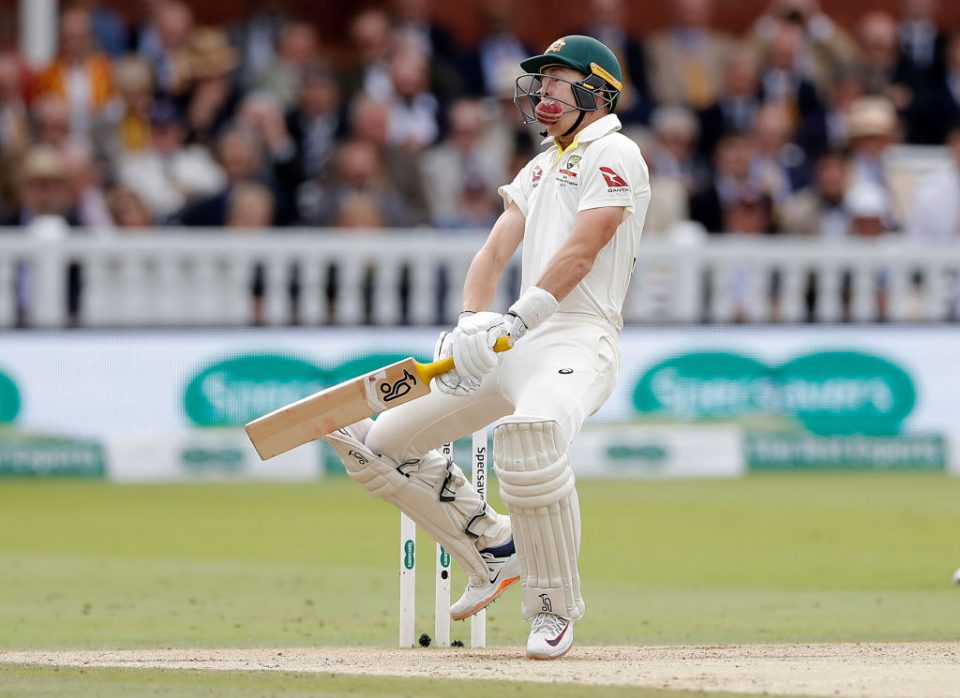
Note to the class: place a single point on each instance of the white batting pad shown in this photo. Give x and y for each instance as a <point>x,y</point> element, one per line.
<point>537,485</point>
<point>447,521</point>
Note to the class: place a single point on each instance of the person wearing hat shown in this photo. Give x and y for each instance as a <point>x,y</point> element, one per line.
<point>578,207</point>
<point>43,188</point>
<point>872,127</point>
<point>169,174</point>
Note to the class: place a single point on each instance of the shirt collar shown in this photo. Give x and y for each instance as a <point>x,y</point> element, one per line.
<point>599,128</point>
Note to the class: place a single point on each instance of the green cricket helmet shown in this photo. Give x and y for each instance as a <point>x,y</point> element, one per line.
<point>603,76</point>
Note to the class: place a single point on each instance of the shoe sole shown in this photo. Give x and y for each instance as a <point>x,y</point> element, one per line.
<point>476,608</point>
<point>547,657</point>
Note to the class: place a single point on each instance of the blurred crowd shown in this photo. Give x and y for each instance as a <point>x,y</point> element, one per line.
<point>788,128</point>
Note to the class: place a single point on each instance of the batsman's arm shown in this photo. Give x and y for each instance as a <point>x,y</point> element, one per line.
<point>488,264</point>
<point>592,230</point>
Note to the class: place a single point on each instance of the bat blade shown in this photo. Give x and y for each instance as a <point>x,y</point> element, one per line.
<point>319,414</point>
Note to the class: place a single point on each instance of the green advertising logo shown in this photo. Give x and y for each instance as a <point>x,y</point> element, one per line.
<point>234,391</point>
<point>237,390</point>
<point>835,392</point>
<point>409,554</point>
<point>9,400</point>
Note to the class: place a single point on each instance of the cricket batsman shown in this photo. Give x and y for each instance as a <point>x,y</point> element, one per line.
<point>578,208</point>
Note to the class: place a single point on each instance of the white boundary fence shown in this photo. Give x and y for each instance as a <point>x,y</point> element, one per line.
<point>317,277</point>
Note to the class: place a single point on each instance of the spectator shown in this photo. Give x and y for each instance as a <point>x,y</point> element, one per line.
<point>674,153</point>
<point>51,121</point>
<point>14,128</point>
<point>736,106</point>
<point>124,126</point>
<point>86,176</point>
<point>298,50</point>
<point>733,180</point>
<point>935,213</point>
<point>414,30</point>
<point>109,31</point>
<point>414,110</point>
<point>748,212</point>
<point>477,207</point>
<point>937,108</point>
<point>686,61</point>
<point>14,119</point>
<point>241,157</point>
<point>169,175</point>
<point>372,43</point>
<point>887,74</point>
<point>164,43</point>
<point>213,98</point>
<point>127,209</point>
<point>871,129</point>
<point>869,208</point>
<point>607,25</point>
<point>780,164</point>
<point>256,39</point>
<point>358,211</point>
<point>44,188</point>
<point>461,160</point>
<point>79,76</point>
<point>369,121</point>
<point>922,43</point>
<point>848,86</point>
<point>879,50</point>
<point>316,123</point>
<point>823,49</point>
<point>785,81</point>
<point>143,34</point>
<point>492,67</point>
<point>251,207</point>
<point>819,210</point>
<point>359,172</point>
<point>262,115</point>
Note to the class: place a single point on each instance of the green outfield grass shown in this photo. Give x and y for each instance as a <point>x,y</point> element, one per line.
<point>777,557</point>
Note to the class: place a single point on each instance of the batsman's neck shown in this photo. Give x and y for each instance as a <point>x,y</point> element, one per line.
<point>591,116</point>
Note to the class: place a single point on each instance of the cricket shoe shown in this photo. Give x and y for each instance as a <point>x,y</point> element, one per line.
<point>503,569</point>
<point>551,636</point>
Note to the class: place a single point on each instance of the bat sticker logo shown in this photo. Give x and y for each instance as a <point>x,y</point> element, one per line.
<point>394,391</point>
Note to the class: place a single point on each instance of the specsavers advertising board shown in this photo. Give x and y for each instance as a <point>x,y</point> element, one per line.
<point>157,405</point>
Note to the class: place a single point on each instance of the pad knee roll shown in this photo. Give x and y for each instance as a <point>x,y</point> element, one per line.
<point>538,487</point>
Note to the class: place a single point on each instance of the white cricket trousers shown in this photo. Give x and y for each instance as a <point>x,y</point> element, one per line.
<point>563,371</point>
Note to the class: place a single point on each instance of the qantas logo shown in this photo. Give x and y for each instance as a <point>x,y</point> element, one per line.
<point>537,174</point>
<point>614,181</point>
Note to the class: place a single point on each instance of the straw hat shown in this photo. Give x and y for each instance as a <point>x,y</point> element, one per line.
<point>209,54</point>
<point>43,162</point>
<point>871,116</point>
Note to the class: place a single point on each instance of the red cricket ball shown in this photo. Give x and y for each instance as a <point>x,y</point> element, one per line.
<point>548,113</point>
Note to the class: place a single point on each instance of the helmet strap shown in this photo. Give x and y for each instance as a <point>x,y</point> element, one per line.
<point>576,124</point>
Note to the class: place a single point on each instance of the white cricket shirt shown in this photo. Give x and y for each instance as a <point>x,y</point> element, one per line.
<point>601,167</point>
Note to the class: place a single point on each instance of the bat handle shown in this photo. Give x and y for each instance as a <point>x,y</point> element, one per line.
<point>438,368</point>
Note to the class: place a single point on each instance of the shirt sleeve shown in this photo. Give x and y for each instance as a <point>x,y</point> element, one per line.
<point>518,191</point>
<point>614,175</point>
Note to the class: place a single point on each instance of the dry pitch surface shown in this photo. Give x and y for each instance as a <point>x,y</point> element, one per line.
<point>912,670</point>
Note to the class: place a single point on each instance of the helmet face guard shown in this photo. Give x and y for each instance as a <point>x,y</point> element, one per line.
<point>590,94</point>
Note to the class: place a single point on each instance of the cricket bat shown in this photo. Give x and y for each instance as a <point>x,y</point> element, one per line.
<point>326,411</point>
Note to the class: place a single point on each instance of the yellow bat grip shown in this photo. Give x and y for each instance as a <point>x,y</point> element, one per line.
<point>437,368</point>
